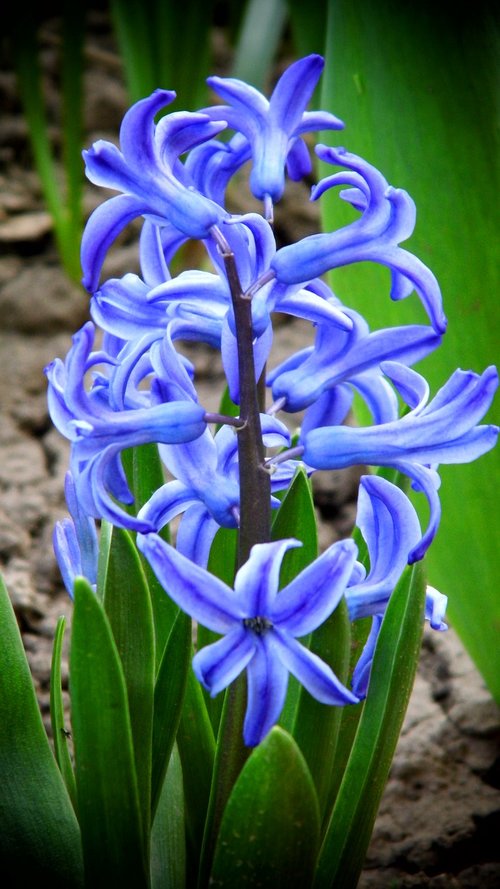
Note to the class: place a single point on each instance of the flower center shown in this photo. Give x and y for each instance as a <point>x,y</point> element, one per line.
<point>259,625</point>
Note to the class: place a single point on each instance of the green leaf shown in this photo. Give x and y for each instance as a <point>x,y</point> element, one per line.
<point>258,40</point>
<point>270,828</point>
<point>405,110</point>
<point>169,694</point>
<point>145,476</point>
<point>196,742</point>
<point>394,666</point>
<point>128,608</point>
<point>168,843</point>
<point>316,725</point>
<point>296,517</point>
<point>39,838</point>
<point>59,731</point>
<point>108,800</point>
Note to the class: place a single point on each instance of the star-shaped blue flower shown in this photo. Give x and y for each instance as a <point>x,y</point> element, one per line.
<point>274,127</point>
<point>260,625</point>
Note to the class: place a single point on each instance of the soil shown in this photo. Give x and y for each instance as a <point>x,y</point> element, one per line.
<point>439,820</point>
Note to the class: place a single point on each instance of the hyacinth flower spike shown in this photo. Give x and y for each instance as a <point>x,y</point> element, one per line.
<point>151,180</point>
<point>274,127</point>
<point>260,625</point>
<point>387,218</point>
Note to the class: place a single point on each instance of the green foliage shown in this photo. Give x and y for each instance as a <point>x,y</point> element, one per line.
<point>270,829</point>
<point>39,839</point>
<point>414,85</point>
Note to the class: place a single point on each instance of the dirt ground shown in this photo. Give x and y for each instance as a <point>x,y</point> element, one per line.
<point>439,821</point>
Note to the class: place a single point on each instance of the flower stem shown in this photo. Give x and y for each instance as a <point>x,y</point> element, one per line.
<point>255,485</point>
<point>255,527</point>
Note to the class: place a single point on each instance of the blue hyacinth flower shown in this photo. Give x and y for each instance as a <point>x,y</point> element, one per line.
<point>260,625</point>
<point>274,127</point>
<point>75,541</point>
<point>387,218</point>
<point>148,173</point>
<point>444,430</point>
<point>98,433</point>
<point>353,357</point>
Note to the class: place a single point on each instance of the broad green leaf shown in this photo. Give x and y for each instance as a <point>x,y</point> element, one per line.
<point>39,837</point>
<point>128,608</point>
<point>168,841</point>
<point>394,666</point>
<point>414,85</point>
<point>59,731</point>
<point>169,694</point>
<point>145,476</point>
<point>108,800</point>
<point>270,828</point>
<point>316,725</point>
<point>296,517</point>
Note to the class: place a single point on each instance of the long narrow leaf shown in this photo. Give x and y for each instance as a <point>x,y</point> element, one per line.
<point>39,837</point>
<point>169,694</point>
<point>59,731</point>
<point>296,518</point>
<point>316,725</point>
<point>394,666</point>
<point>128,608</point>
<point>168,841</point>
<point>414,85</point>
<point>108,801</point>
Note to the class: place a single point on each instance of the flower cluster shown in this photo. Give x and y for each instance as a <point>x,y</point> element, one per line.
<point>174,174</point>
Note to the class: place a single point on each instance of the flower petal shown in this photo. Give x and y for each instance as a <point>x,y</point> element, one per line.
<point>316,676</point>
<point>312,596</point>
<point>267,685</point>
<point>217,665</point>
<point>195,590</point>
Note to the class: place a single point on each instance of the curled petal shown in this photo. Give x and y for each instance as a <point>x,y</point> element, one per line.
<point>362,670</point>
<point>435,608</point>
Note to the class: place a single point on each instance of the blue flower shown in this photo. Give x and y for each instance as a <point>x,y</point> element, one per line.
<point>391,529</point>
<point>206,487</point>
<point>75,541</point>
<point>353,357</point>
<point>387,217</point>
<point>150,177</point>
<point>443,431</point>
<point>260,624</point>
<point>389,525</point>
<point>273,128</point>
<point>98,433</point>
